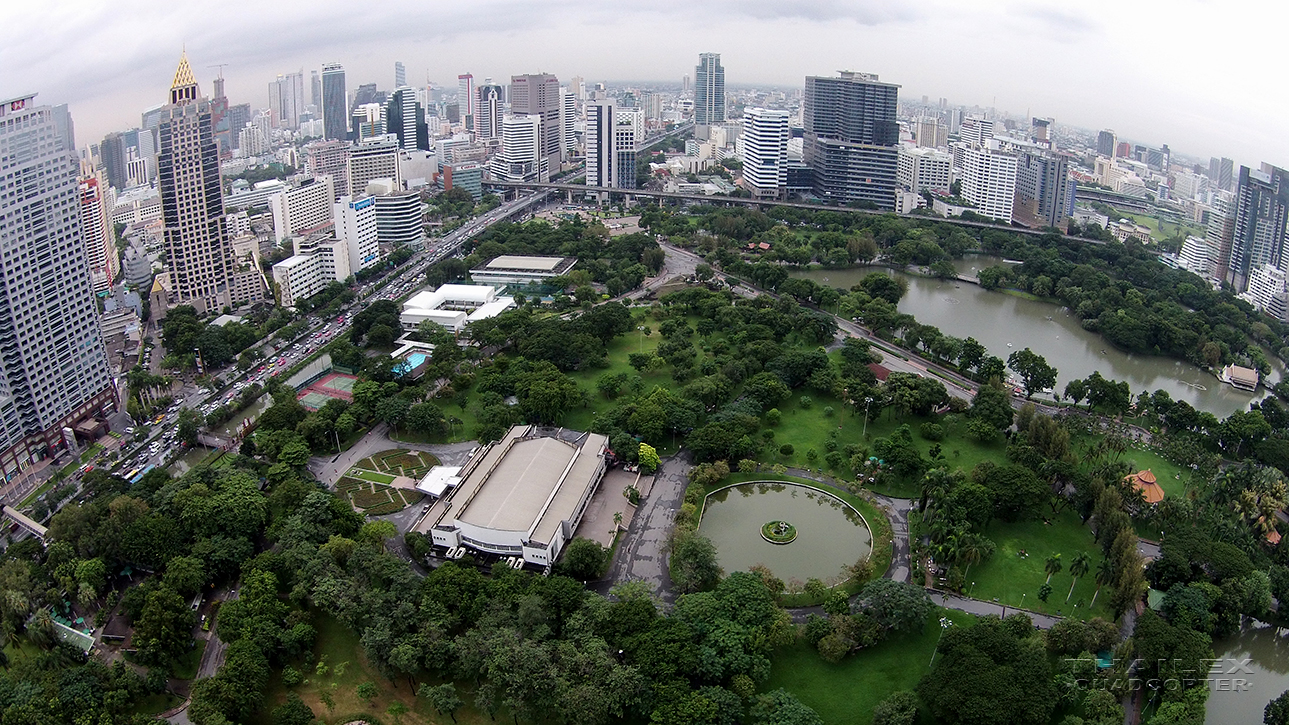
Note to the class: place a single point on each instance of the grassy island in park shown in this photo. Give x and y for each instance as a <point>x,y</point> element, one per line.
<point>778,532</point>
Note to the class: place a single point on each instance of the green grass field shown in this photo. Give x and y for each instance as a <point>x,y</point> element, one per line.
<point>1011,579</point>
<point>371,476</point>
<point>847,692</point>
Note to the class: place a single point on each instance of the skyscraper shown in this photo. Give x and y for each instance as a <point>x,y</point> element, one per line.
<point>96,234</point>
<point>400,74</point>
<point>315,90</point>
<point>851,138</point>
<point>600,121</point>
<point>53,368</point>
<point>488,111</point>
<point>1221,173</point>
<point>709,93</point>
<point>286,100</point>
<point>1106,142</point>
<point>1261,211</point>
<point>465,99</point>
<point>330,158</point>
<point>335,114</point>
<point>538,95</point>
<point>568,121</point>
<point>192,202</point>
<point>765,152</point>
<point>405,118</point>
<point>111,153</point>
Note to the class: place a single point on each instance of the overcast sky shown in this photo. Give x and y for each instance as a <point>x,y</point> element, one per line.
<point>1205,77</point>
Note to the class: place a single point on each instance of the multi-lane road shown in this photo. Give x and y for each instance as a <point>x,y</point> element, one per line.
<point>158,448</point>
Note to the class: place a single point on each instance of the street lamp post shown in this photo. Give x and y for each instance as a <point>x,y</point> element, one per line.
<point>867,402</point>
<point>641,329</point>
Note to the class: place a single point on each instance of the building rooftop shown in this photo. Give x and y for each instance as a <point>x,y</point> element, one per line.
<point>528,264</point>
<point>528,482</point>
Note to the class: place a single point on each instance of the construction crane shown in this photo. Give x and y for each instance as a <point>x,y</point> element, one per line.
<point>220,66</point>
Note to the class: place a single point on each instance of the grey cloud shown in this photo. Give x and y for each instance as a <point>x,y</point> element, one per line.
<point>1064,24</point>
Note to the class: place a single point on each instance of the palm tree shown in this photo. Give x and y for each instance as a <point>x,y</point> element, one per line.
<point>1052,566</point>
<point>1078,567</point>
<point>974,549</point>
<point>1105,575</point>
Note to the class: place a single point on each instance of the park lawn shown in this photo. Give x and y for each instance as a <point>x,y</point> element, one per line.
<point>1010,579</point>
<point>1170,476</point>
<point>372,476</point>
<point>186,665</point>
<point>467,430</point>
<point>807,428</point>
<point>347,667</point>
<point>847,692</point>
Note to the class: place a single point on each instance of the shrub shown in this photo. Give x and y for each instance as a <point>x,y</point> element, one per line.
<point>806,402</point>
<point>786,449</point>
<point>932,431</point>
<point>828,411</point>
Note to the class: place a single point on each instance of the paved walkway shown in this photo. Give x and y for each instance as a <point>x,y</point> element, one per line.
<point>643,553</point>
<point>329,469</point>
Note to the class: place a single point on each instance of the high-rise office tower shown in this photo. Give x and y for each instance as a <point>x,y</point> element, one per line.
<point>709,93</point>
<point>538,95</point>
<point>625,142</point>
<point>465,97</point>
<point>1220,231</point>
<point>601,119</point>
<point>286,100</point>
<point>1221,173</point>
<point>765,152</point>
<point>192,201</point>
<point>684,84</point>
<point>335,114</point>
<point>405,118</point>
<point>111,153</point>
<point>1106,141</point>
<point>851,138</point>
<point>568,121</point>
<point>315,90</point>
<point>53,368</point>
<point>373,158</point>
<point>238,116</point>
<point>930,133</point>
<point>400,74</point>
<point>521,157</point>
<point>96,233</point>
<point>488,111</point>
<point>1261,211</point>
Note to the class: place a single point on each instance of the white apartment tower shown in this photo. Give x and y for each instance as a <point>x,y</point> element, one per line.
<point>303,209</point>
<point>521,157</point>
<point>765,152</point>
<point>356,225</point>
<point>922,169</point>
<point>989,181</point>
<point>568,121</point>
<point>100,249</point>
<point>53,368</point>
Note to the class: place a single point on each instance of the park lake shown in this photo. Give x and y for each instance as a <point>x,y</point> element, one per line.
<point>1005,323</point>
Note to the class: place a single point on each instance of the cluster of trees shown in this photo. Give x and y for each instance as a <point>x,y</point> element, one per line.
<point>619,263</point>
<point>184,334</point>
<point>1136,303</point>
<point>883,608</point>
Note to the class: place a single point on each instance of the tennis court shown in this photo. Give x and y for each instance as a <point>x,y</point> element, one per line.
<point>313,400</point>
<point>336,385</point>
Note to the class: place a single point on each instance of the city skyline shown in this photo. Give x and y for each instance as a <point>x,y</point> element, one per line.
<point>1086,67</point>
